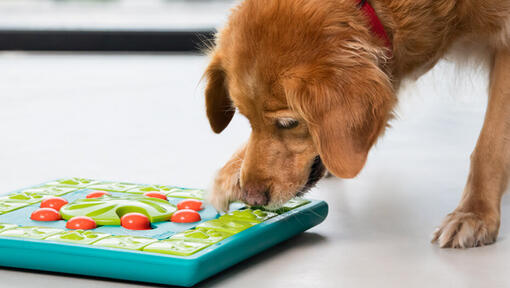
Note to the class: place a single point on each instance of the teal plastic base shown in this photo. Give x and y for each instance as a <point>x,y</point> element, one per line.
<point>159,268</point>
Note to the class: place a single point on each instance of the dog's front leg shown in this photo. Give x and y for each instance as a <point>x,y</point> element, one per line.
<point>476,220</point>
<point>226,186</point>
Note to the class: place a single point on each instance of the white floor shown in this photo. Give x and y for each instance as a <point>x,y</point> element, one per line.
<point>141,118</point>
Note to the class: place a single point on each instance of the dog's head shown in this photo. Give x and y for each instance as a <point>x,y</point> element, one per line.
<point>307,74</point>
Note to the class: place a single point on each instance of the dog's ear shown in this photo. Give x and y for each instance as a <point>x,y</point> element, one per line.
<point>217,101</point>
<point>345,113</point>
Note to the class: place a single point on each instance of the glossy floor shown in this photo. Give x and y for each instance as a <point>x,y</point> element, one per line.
<point>141,118</point>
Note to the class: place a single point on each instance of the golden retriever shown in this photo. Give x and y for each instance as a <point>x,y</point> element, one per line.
<point>318,86</point>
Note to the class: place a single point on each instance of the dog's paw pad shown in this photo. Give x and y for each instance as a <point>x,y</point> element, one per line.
<point>465,230</point>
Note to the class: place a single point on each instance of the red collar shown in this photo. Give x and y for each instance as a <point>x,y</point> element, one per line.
<point>375,22</point>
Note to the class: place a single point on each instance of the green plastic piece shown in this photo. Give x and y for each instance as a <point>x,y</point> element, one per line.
<point>151,188</point>
<point>76,182</point>
<point>228,225</point>
<point>186,193</point>
<point>176,247</point>
<point>201,234</point>
<point>18,200</point>
<point>8,206</point>
<point>24,197</point>
<point>107,210</point>
<point>78,236</point>
<point>249,215</point>
<point>4,226</point>
<point>125,242</point>
<point>113,186</point>
<point>31,232</point>
<point>293,204</point>
<point>288,206</point>
<point>51,190</point>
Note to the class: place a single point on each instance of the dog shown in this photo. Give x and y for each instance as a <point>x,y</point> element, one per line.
<point>318,82</point>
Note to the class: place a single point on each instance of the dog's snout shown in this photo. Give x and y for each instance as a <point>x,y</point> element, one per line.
<point>255,194</point>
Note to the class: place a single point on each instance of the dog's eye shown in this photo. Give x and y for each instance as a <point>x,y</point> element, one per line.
<point>286,123</point>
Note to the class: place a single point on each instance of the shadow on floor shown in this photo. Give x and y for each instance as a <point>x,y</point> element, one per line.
<point>295,243</point>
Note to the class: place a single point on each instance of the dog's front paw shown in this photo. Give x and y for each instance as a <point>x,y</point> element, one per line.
<point>466,230</point>
<point>226,188</point>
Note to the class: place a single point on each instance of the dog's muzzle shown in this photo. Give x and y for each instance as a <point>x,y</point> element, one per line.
<point>317,171</point>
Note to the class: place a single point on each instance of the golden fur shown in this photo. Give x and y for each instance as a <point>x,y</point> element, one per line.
<point>313,80</point>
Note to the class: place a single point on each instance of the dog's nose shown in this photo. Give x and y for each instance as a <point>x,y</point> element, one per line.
<point>255,194</point>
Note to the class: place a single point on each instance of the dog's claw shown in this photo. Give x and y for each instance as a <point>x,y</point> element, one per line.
<point>465,230</point>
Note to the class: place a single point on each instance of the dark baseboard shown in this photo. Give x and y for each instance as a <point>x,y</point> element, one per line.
<point>99,40</point>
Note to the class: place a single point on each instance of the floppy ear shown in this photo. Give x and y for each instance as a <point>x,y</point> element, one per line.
<point>345,114</point>
<point>218,104</point>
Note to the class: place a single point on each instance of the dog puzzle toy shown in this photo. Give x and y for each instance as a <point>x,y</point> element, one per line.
<point>150,233</point>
